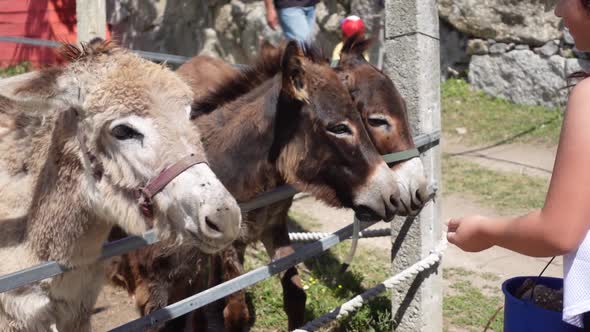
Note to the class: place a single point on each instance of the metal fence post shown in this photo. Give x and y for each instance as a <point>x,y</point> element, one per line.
<point>92,19</point>
<point>412,60</point>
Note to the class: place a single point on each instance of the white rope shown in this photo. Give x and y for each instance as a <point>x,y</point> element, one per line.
<point>315,236</point>
<point>358,301</point>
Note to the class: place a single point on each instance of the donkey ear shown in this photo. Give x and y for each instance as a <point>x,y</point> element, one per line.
<point>354,49</point>
<point>294,82</point>
<point>348,80</point>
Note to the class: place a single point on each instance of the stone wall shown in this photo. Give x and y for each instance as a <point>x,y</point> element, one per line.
<point>508,48</point>
<point>230,29</point>
<point>511,49</point>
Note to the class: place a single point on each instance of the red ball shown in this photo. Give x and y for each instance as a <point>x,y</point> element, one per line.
<point>352,25</point>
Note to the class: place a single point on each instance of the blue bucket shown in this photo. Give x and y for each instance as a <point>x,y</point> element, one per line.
<point>525,316</point>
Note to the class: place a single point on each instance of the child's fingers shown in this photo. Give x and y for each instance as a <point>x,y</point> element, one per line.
<point>453,224</point>
<point>452,237</point>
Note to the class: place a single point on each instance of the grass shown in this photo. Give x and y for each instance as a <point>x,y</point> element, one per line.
<point>489,119</point>
<point>490,276</point>
<point>15,70</point>
<point>454,272</point>
<point>465,305</point>
<point>469,308</point>
<point>326,289</point>
<point>505,191</point>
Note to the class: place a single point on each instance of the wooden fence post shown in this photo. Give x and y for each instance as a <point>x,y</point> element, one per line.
<point>92,19</point>
<point>412,60</point>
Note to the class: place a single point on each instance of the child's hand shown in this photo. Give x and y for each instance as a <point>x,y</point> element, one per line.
<point>470,233</point>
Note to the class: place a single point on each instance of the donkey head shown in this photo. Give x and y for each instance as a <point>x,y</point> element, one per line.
<point>320,141</point>
<point>134,125</point>
<point>384,114</point>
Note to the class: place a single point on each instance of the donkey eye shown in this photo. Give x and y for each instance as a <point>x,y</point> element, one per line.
<point>123,132</point>
<point>340,129</point>
<point>377,122</point>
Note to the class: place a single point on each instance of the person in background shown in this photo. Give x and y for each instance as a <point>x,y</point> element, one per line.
<point>562,226</point>
<point>351,25</point>
<point>296,17</point>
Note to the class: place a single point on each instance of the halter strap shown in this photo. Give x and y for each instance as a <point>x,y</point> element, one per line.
<point>146,194</point>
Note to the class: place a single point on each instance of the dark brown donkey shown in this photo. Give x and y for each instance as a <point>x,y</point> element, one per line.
<point>384,115</point>
<point>299,127</point>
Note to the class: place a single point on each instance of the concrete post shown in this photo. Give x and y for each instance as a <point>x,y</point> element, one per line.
<point>92,19</point>
<point>412,60</point>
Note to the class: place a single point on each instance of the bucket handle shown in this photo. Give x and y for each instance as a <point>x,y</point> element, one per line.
<point>539,277</point>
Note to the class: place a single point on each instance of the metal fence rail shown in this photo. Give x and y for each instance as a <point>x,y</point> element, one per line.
<point>52,269</point>
<point>161,57</point>
<point>248,279</point>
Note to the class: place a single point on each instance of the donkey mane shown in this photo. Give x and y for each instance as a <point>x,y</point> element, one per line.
<point>45,82</point>
<point>96,46</point>
<point>266,66</point>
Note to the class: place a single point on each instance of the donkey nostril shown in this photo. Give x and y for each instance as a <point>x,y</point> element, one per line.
<point>414,206</point>
<point>394,201</point>
<point>418,195</point>
<point>212,225</point>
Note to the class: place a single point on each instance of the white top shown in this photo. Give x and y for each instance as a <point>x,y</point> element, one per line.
<point>576,281</point>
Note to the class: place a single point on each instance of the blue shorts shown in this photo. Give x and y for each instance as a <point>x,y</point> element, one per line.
<point>298,22</point>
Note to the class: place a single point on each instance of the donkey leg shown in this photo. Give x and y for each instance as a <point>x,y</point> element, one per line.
<point>75,316</point>
<point>75,296</point>
<point>150,296</point>
<point>82,325</point>
<point>277,244</point>
<point>236,314</point>
<point>196,321</point>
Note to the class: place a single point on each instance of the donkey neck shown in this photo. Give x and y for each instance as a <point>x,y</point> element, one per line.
<point>239,137</point>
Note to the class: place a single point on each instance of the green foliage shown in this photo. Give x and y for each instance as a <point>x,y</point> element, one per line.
<point>21,68</point>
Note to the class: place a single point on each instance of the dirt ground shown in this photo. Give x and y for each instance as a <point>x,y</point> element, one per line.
<point>520,158</point>
<point>115,307</point>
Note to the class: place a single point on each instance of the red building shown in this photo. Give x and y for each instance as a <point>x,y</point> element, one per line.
<point>41,19</point>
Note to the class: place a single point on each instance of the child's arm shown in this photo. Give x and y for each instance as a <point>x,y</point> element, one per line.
<point>561,225</point>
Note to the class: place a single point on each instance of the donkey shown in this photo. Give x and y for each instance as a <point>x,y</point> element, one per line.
<point>384,115</point>
<point>103,141</point>
<point>287,120</point>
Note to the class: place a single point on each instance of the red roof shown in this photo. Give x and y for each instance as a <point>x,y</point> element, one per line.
<point>41,19</point>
